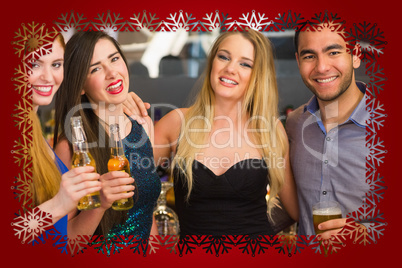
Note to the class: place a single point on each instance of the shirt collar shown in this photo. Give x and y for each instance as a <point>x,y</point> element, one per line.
<point>359,116</point>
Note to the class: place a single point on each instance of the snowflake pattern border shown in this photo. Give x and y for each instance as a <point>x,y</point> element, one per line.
<point>372,46</point>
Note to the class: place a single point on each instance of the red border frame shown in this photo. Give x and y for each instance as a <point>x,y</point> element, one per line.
<point>384,252</point>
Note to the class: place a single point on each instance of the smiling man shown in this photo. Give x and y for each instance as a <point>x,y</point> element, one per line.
<point>327,134</point>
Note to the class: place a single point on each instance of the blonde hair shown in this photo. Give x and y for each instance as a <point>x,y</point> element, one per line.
<point>260,102</point>
<point>46,176</point>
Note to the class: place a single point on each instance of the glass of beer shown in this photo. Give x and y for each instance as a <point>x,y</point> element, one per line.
<point>325,211</point>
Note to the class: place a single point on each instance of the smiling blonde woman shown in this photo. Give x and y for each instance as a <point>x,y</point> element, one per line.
<point>229,145</point>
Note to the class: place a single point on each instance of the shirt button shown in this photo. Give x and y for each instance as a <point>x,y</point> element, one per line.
<point>328,139</point>
<point>324,192</point>
<point>325,161</point>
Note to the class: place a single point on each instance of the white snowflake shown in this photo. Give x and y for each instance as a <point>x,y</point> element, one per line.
<point>154,243</point>
<point>69,22</point>
<point>369,37</point>
<point>214,22</point>
<point>168,242</point>
<point>373,219</point>
<point>377,115</point>
<point>251,21</point>
<point>178,21</point>
<point>145,21</point>
<point>377,186</point>
<point>32,224</point>
<point>78,244</point>
<point>377,78</point>
<point>109,23</point>
<point>377,151</point>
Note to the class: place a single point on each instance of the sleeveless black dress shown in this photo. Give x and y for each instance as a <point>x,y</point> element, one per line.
<point>229,204</point>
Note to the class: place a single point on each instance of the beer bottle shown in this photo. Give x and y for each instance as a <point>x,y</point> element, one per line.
<point>81,158</point>
<point>118,162</point>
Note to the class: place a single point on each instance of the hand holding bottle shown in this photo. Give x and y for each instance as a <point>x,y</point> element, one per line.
<point>116,185</point>
<point>119,162</point>
<point>81,158</point>
<point>75,184</point>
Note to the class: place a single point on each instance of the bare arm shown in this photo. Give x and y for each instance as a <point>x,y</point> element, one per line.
<point>288,193</point>
<point>280,217</point>
<point>166,134</point>
<point>154,228</point>
<point>63,152</point>
<point>85,223</point>
<point>74,185</point>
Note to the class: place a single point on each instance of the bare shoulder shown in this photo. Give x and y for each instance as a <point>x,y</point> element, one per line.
<point>63,151</point>
<point>168,128</point>
<point>175,116</point>
<point>280,126</point>
<point>174,119</point>
<point>282,131</point>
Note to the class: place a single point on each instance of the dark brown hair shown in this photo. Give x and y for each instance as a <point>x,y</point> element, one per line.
<point>69,102</point>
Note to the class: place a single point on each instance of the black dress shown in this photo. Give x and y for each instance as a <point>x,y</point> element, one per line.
<point>229,204</point>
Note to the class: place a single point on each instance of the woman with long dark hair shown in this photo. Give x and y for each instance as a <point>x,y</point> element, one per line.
<point>96,83</point>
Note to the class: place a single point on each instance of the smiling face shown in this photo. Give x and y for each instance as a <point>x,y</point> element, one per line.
<point>47,75</point>
<point>107,80</point>
<point>325,65</point>
<point>232,67</point>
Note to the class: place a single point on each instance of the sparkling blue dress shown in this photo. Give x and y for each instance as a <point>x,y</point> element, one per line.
<point>139,152</point>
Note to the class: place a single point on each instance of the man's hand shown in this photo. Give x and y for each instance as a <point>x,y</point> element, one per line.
<point>331,227</point>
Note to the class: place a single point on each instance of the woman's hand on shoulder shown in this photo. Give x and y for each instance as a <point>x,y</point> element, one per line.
<point>134,107</point>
